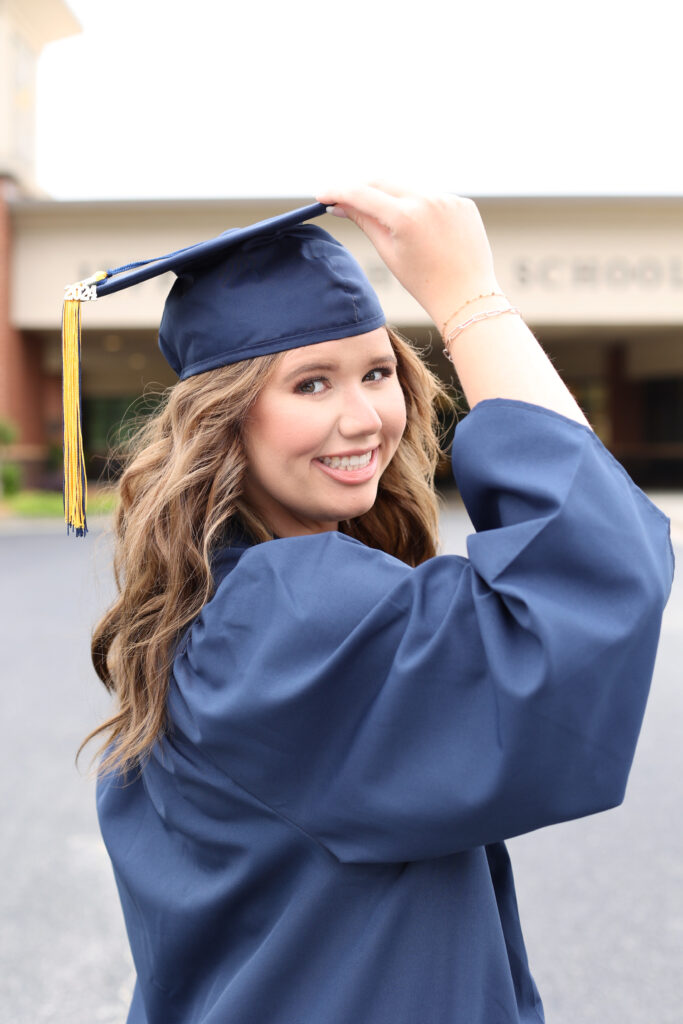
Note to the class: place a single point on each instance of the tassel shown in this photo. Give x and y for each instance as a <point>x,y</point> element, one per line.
<point>75,490</point>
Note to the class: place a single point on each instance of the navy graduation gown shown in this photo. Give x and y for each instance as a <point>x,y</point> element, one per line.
<point>320,840</point>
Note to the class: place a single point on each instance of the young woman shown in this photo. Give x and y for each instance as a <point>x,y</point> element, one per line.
<point>324,729</point>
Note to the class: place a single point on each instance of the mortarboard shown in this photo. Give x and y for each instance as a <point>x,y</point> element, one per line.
<point>273,285</point>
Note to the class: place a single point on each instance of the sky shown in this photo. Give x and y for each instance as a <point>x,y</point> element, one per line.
<point>218,98</point>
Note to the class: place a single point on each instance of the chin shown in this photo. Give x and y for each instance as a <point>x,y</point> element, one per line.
<point>358,509</point>
<point>354,506</point>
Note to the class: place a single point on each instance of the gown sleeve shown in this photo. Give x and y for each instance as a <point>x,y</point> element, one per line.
<point>396,713</point>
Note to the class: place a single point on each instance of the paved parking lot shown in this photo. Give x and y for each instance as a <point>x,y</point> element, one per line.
<point>601,899</point>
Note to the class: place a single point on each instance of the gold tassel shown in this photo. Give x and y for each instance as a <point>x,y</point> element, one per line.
<point>75,491</point>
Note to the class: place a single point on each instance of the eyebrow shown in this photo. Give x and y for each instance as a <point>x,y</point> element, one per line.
<point>315,367</point>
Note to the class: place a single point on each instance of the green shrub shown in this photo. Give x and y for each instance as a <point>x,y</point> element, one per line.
<point>10,478</point>
<point>9,432</point>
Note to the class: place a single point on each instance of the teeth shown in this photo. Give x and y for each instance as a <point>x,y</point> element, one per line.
<point>348,461</point>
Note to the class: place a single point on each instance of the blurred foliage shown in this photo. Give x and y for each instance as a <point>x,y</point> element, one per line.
<point>10,479</point>
<point>9,432</point>
<point>10,474</point>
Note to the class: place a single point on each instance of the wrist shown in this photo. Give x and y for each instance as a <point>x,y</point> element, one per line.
<point>448,315</point>
<point>475,318</point>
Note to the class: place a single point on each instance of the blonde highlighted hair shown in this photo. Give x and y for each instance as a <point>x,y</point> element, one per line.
<point>180,493</point>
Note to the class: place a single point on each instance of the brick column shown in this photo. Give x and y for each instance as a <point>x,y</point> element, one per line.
<point>21,377</point>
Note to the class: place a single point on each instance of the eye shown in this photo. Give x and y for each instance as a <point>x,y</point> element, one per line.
<point>306,387</point>
<point>383,371</point>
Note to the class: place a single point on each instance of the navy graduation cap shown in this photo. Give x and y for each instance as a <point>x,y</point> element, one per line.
<point>273,285</point>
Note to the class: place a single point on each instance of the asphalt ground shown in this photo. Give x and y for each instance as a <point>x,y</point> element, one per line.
<point>601,899</point>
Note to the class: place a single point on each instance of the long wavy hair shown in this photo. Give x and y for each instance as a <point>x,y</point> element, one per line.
<point>181,493</point>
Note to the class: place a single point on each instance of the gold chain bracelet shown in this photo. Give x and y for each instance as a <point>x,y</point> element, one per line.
<point>469,301</point>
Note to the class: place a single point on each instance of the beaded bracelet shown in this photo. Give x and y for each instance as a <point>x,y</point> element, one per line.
<point>487,295</point>
<point>472,320</point>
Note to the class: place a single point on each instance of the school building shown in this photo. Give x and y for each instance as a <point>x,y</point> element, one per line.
<point>598,279</point>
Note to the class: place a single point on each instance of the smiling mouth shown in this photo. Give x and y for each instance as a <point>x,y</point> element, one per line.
<point>348,461</point>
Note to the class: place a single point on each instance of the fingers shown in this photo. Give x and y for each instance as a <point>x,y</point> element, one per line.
<point>380,184</point>
<point>360,202</point>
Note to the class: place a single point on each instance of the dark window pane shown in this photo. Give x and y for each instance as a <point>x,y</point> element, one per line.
<point>663,410</point>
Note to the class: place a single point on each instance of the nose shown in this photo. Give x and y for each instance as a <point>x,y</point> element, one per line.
<point>358,416</point>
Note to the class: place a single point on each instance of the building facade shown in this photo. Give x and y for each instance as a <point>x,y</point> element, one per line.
<point>598,279</point>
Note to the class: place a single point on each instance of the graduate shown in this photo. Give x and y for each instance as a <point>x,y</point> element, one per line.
<point>324,730</point>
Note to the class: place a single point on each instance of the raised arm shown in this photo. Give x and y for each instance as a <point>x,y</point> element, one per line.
<point>398,714</point>
<point>437,247</point>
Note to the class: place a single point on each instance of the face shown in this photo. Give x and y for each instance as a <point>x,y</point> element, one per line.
<point>322,432</point>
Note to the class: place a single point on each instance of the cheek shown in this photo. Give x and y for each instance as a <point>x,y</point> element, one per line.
<point>300,434</point>
<point>394,416</point>
<point>285,430</point>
